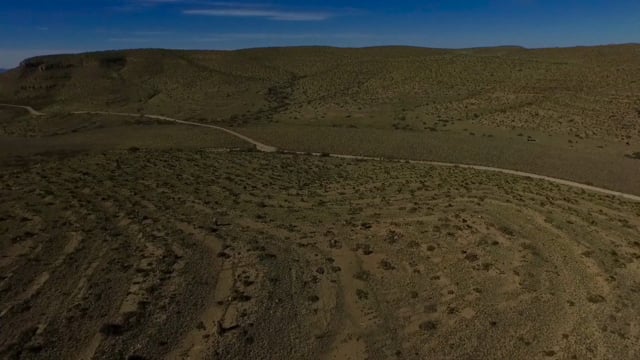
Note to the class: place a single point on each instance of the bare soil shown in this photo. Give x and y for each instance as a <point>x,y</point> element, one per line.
<point>147,254</point>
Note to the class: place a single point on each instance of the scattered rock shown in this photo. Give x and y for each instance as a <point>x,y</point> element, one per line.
<point>596,299</point>
<point>386,265</point>
<point>112,329</point>
<point>428,325</point>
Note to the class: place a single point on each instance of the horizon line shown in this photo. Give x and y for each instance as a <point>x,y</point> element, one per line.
<point>81,52</point>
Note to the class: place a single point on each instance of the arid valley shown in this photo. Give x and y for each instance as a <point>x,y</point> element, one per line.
<point>318,202</point>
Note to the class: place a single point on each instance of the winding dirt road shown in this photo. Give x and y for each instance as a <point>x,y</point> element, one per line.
<point>267,148</point>
<point>31,110</point>
<point>260,146</point>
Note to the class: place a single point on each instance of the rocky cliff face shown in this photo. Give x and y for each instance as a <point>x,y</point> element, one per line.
<point>583,92</point>
<point>46,64</point>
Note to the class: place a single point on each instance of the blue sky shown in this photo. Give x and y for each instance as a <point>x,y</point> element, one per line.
<point>35,27</point>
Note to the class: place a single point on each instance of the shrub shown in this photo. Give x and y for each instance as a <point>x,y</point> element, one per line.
<point>635,155</point>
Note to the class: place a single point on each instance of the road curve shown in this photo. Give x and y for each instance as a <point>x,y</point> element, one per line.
<point>31,110</point>
<point>260,146</point>
<point>504,171</point>
<point>267,148</point>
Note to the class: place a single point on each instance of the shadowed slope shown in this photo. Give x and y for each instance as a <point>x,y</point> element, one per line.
<point>587,92</point>
<point>192,254</point>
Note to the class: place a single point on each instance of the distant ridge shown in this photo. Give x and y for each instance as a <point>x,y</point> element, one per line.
<point>581,91</point>
<point>3,70</point>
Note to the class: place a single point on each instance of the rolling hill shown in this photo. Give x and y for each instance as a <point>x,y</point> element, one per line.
<point>126,234</point>
<point>583,92</point>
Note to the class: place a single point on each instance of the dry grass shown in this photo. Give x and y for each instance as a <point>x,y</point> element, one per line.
<point>148,253</point>
<point>583,92</point>
<point>595,162</point>
<point>59,135</point>
<point>130,238</point>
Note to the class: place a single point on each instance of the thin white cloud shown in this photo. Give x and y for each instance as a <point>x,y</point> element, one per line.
<point>199,3</point>
<point>147,37</point>
<point>141,5</point>
<point>151,33</point>
<point>277,36</point>
<point>162,1</point>
<point>233,4</point>
<point>130,40</point>
<point>278,15</point>
<point>227,9</point>
<point>203,2</point>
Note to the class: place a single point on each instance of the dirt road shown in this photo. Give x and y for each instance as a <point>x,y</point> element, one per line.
<point>31,110</point>
<point>267,148</point>
<point>177,254</point>
<point>504,171</point>
<point>260,146</point>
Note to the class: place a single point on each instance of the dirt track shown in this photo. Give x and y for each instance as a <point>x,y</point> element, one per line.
<point>191,254</point>
<point>267,148</point>
<point>31,110</point>
<point>260,146</point>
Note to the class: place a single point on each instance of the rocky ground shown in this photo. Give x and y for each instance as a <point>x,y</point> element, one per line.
<point>147,254</point>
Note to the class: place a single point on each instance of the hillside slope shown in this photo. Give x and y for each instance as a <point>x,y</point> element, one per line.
<point>586,92</point>
<point>165,254</point>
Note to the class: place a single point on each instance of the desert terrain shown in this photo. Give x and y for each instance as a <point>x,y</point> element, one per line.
<point>305,203</point>
<point>570,113</point>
